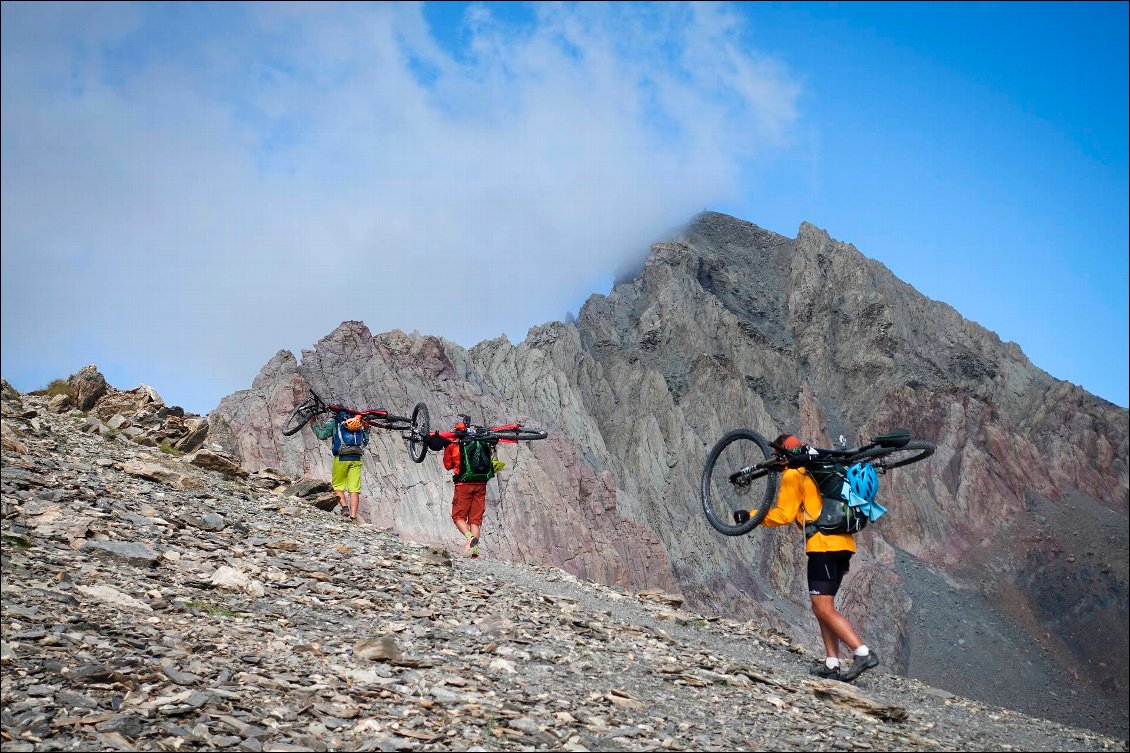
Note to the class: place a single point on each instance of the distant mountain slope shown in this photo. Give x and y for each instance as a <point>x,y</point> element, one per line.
<point>728,325</point>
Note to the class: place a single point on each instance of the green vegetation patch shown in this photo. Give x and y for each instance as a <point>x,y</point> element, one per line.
<point>57,387</point>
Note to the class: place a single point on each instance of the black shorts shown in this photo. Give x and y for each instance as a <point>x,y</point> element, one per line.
<point>826,570</point>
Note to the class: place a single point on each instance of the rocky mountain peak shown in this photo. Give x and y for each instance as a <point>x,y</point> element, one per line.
<point>282,365</point>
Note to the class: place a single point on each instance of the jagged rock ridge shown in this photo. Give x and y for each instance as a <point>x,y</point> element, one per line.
<point>731,325</point>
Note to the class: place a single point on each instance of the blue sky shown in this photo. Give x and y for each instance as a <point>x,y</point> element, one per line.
<point>188,188</point>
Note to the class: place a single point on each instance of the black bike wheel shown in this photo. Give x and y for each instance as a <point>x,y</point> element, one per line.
<point>417,439</point>
<point>298,418</point>
<point>521,435</point>
<point>735,478</point>
<point>886,458</point>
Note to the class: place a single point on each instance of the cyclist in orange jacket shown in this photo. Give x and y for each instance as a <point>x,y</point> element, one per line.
<point>799,501</point>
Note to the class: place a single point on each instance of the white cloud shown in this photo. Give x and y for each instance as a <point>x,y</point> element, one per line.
<point>191,204</point>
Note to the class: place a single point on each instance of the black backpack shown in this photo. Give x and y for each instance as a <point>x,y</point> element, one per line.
<point>836,515</point>
<point>476,463</point>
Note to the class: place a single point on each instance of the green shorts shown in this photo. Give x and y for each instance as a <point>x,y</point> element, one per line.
<point>347,475</point>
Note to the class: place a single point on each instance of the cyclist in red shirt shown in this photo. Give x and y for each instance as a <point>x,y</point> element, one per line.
<point>470,498</point>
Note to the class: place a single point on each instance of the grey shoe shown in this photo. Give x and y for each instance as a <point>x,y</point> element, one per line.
<point>822,670</point>
<point>858,666</point>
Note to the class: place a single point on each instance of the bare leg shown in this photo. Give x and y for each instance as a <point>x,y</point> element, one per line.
<point>341,505</point>
<point>472,547</point>
<point>465,529</point>
<point>354,502</point>
<point>835,623</point>
<point>831,642</point>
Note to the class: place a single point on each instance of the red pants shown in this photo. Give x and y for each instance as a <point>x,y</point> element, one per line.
<point>469,502</point>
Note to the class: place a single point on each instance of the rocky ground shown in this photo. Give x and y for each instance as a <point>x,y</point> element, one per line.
<point>959,640</point>
<point>153,603</point>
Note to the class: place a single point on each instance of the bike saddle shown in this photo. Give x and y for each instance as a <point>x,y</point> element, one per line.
<point>893,438</point>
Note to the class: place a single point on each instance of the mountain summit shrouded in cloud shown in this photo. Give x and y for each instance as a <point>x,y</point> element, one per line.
<point>206,183</point>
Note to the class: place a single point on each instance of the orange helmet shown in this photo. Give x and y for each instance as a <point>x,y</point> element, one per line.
<point>789,441</point>
<point>355,422</point>
<point>460,426</point>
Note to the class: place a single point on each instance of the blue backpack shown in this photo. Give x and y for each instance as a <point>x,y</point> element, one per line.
<point>349,445</point>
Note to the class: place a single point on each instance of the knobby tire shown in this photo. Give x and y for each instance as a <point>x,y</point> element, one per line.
<point>886,458</point>
<point>740,454</point>
<point>298,418</point>
<point>418,438</point>
<point>521,435</point>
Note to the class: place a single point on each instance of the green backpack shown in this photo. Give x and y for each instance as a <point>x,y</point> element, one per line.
<point>476,461</point>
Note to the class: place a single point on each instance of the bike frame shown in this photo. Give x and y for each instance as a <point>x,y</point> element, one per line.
<point>369,416</point>
<point>822,457</point>
<point>829,454</point>
<point>484,434</point>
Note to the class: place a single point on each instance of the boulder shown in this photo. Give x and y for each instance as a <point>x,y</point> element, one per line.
<point>325,501</point>
<point>95,425</point>
<point>154,472</point>
<point>195,436</point>
<point>9,439</point>
<point>208,521</point>
<point>216,461</point>
<point>230,579</point>
<point>307,487</point>
<point>149,394</point>
<point>60,403</point>
<point>89,385</point>
<point>113,597</point>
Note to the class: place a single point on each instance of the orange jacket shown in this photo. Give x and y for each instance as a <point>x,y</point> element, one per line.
<point>797,487</point>
<point>451,457</point>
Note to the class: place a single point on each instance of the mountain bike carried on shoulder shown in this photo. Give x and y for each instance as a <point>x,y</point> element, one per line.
<point>506,433</point>
<point>743,471</point>
<point>413,428</point>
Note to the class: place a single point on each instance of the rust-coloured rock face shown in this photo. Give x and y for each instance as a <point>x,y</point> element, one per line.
<point>733,326</point>
<point>550,505</point>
